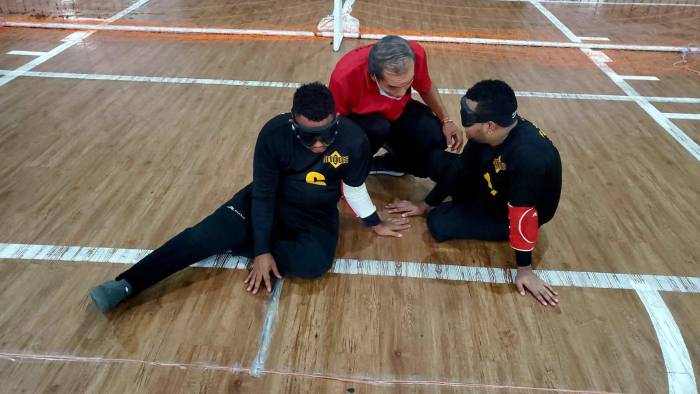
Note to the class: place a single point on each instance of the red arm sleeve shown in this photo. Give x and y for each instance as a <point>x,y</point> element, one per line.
<point>523,227</point>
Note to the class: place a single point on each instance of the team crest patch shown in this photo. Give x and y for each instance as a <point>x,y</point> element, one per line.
<point>336,159</point>
<point>315,178</point>
<point>498,165</point>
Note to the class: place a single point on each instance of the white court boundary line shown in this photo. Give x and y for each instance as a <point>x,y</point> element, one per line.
<point>381,381</point>
<point>126,11</point>
<point>596,2</point>
<point>677,362</point>
<point>294,85</point>
<point>670,339</point>
<point>8,77</point>
<point>26,53</point>
<point>273,302</point>
<point>639,77</point>
<point>675,115</point>
<point>403,269</point>
<point>679,368</point>
<point>296,33</point>
<point>674,131</point>
<point>69,41</point>
<point>594,38</point>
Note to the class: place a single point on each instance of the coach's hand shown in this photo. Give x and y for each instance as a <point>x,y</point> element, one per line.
<point>407,208</point>
<point>391,227</point>
<point>453,136</point>
<point>262,265</point>
<point>528,280</point>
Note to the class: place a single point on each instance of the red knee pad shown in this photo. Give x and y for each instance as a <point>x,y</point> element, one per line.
<point>523,227</point>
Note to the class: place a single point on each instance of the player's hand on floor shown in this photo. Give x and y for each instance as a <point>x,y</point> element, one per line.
<point>407,208</point>
<point>526,279</point>
<point>260,272</point>
<point>391,227</point>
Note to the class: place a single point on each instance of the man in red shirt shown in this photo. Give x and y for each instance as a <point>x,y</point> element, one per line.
<point>372,86</point>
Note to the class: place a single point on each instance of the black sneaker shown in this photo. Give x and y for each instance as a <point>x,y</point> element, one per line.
<point>385,165</point>
<point>109,294</point>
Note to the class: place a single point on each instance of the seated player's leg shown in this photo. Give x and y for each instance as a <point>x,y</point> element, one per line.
<point>308,253</point>
<point>456,220</point>
<point>378,131</point>
<point>376,127</point>
<point>416,133</point>
<point>227,228</point>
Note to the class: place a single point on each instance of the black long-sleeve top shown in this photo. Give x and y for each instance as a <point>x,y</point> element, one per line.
<point>295,187</point>
<point>523,171</point>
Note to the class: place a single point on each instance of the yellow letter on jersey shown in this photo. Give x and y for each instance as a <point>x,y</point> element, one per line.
<point>316,178</point>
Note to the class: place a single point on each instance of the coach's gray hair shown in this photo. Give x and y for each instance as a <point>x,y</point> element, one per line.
<point>391,53</point>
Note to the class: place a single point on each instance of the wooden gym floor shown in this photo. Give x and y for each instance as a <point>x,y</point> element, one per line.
<point>111,142</point>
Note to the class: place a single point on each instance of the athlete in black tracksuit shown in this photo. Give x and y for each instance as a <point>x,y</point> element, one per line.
<point>289,210</point>
<point>504,185</point>
<point>524,171</point>
<point>293,199</point>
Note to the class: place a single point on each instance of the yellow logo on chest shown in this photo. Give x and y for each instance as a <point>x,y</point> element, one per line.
<point>499,165</point>
<point>336,159</point>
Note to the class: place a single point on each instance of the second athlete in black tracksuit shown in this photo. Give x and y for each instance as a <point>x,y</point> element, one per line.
<point>496,190</point>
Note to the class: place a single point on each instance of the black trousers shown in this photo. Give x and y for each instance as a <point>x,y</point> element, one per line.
<point>305,251</point>
<point>410,138</point>
<point>469,215</point>
<point>466,220</point>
